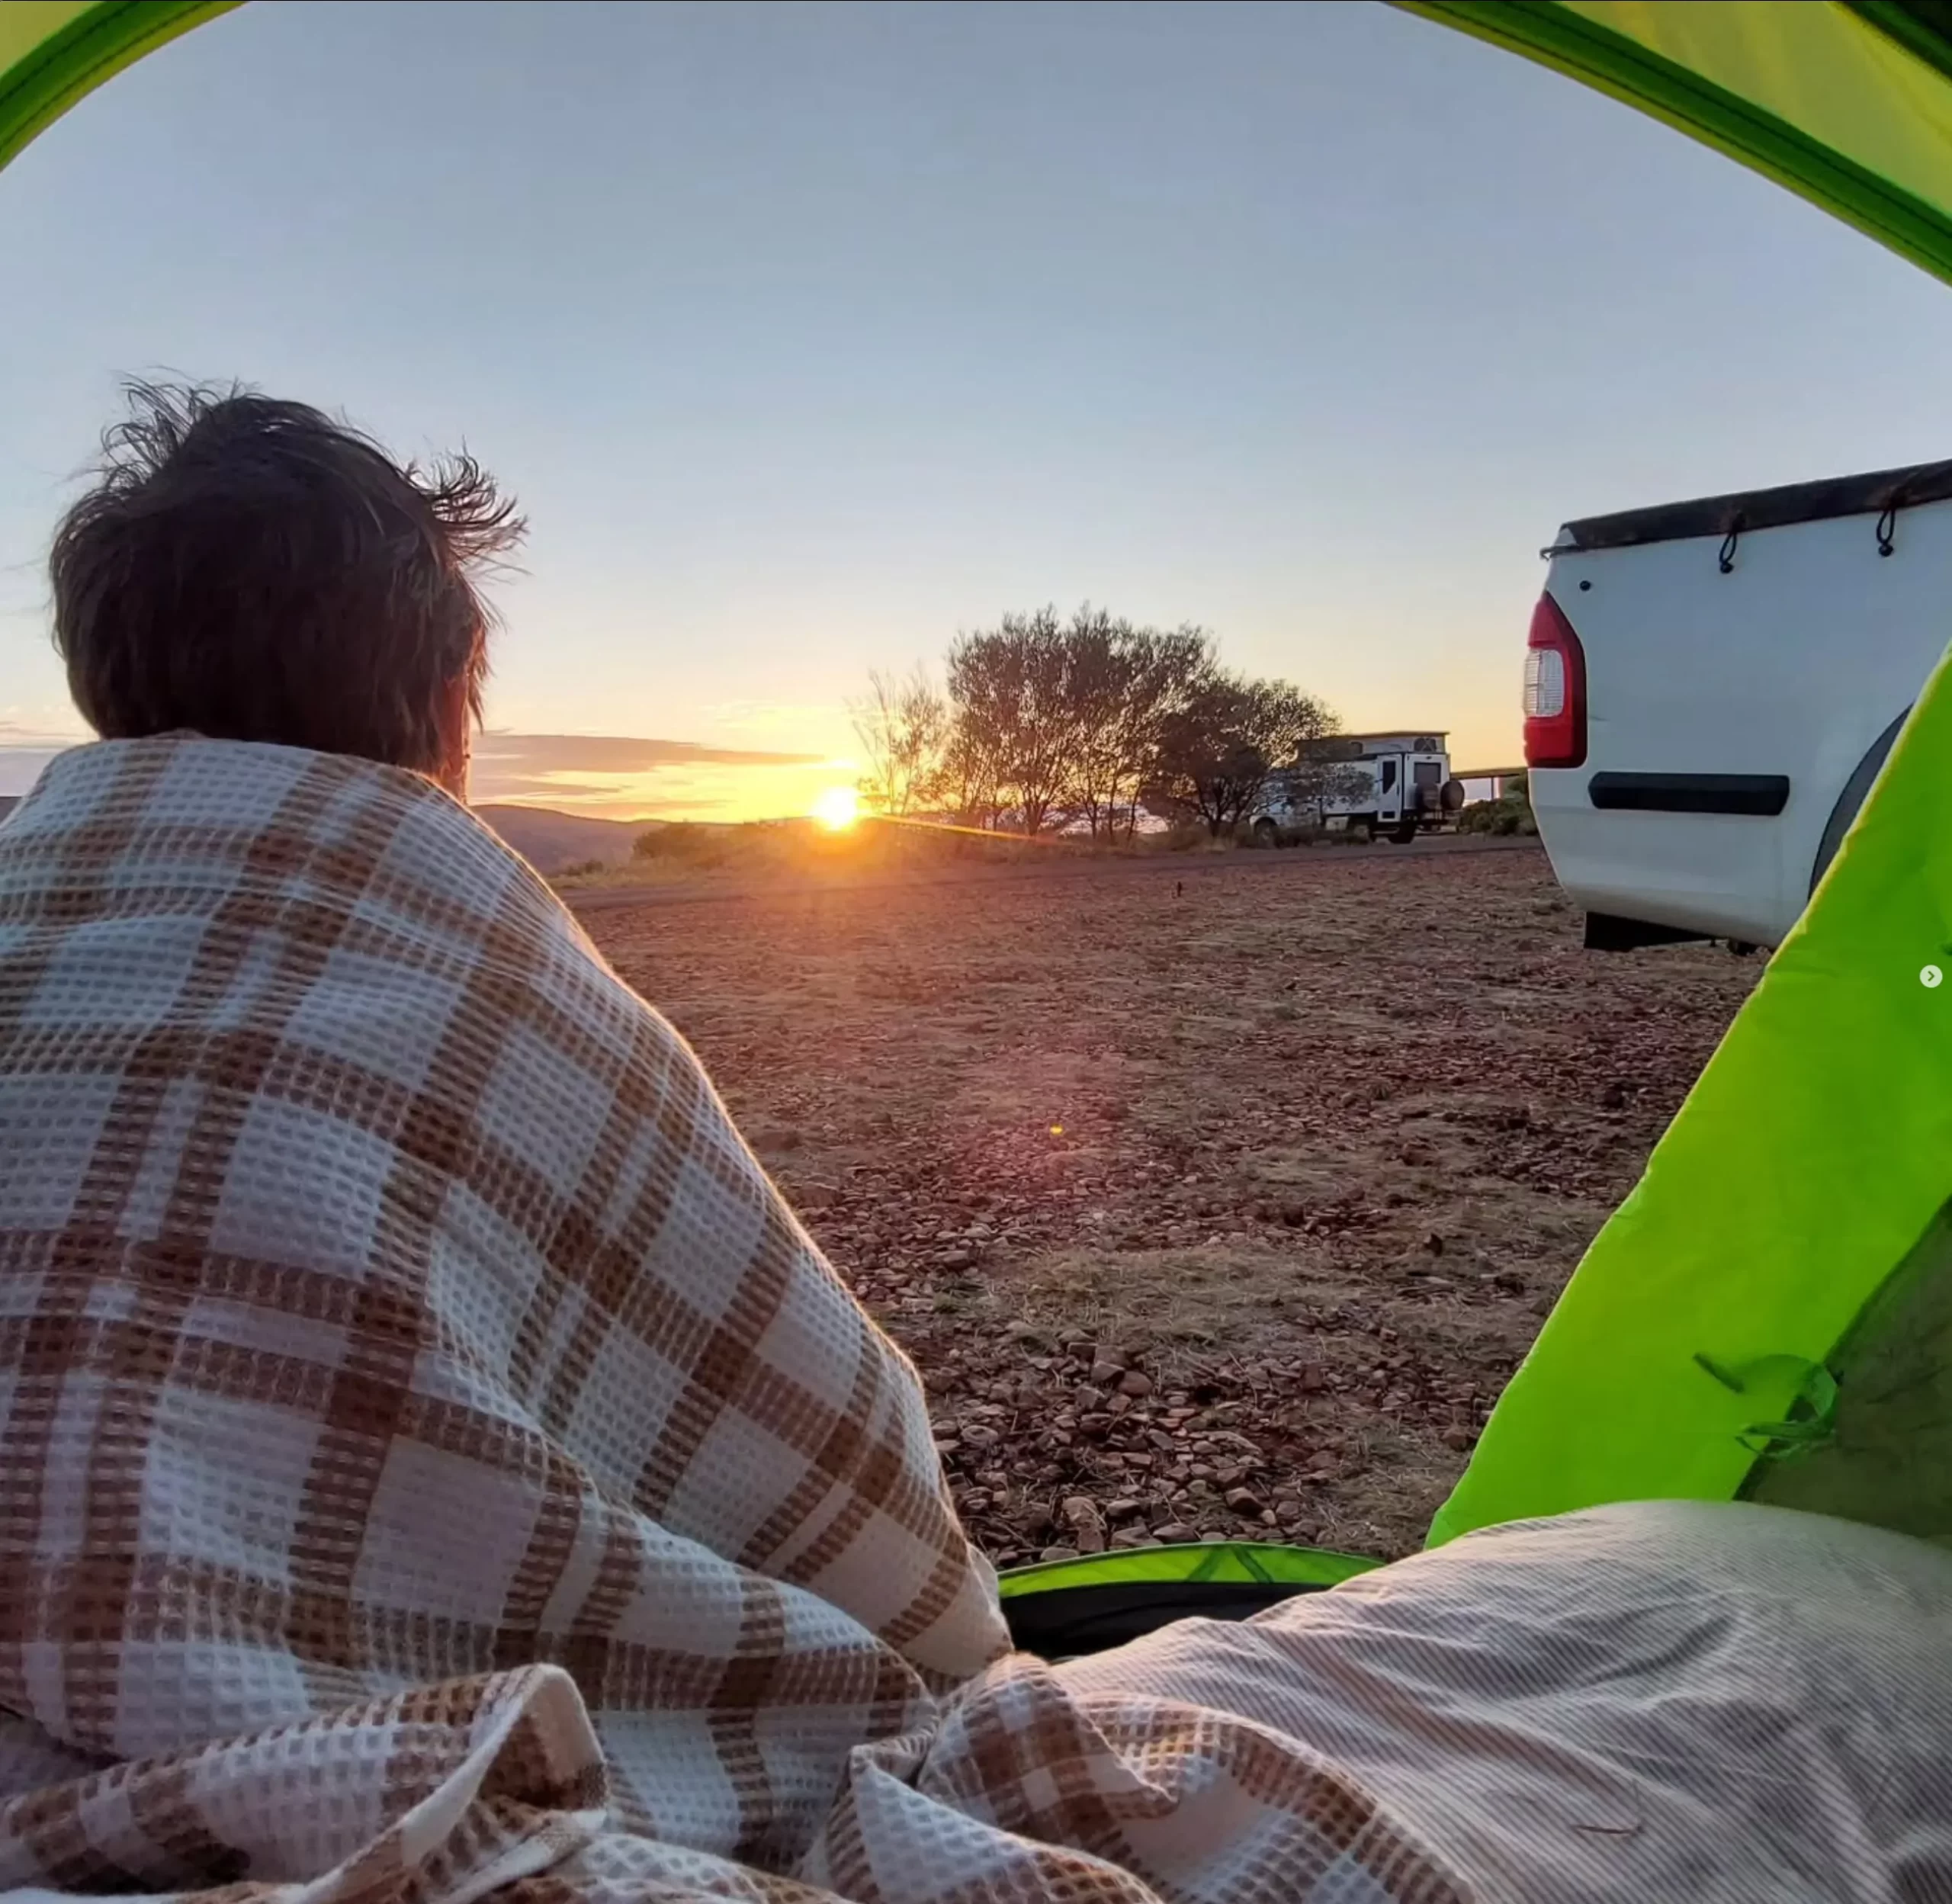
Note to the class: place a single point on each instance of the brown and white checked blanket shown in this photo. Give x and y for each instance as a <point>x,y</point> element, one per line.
<point>434,1465</point>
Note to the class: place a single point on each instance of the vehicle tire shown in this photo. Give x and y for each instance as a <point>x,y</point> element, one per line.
<point>1452,797</point>
<point>1266,834</point>
<point>1361,832</point>
<point>1852,797</point>
<point>1401,836</point>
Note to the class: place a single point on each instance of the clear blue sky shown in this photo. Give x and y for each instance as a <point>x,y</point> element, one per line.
<point>809,335</point>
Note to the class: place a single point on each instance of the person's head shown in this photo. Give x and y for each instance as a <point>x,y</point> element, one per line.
<point>249,569</point>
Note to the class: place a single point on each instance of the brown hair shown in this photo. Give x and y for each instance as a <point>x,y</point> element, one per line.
<point>251,571</point>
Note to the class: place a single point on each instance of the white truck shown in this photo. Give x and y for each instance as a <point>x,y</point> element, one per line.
<point>1711,688</point>
<point>1392,785</point>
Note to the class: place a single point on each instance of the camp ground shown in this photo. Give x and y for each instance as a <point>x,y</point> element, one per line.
<point>1768,1314</point>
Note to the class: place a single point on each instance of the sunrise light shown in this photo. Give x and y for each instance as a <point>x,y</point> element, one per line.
<point>837,809</point>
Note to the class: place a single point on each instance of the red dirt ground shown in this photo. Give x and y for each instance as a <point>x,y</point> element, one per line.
<point>1211,1196</point>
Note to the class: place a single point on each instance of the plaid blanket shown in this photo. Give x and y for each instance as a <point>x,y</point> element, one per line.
<point>435,1463</point>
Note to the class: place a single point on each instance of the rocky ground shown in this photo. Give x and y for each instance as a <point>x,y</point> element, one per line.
<point>1212,1198</point>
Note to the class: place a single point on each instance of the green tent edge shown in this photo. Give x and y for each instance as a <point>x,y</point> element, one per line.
<point>1239,1561</point>
<point>93,47</point>
<point>1550,35</point>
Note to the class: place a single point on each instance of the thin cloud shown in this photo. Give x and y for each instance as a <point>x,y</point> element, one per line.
<point>514,755</point>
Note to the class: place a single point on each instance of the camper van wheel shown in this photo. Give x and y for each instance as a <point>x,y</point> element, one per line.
<point>1266,834</point>
<point>1401,836</point>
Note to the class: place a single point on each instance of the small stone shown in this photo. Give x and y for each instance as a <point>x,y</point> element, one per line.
<point>1176,1534</point>
<point>1434,1243</point>
<point>1135,1383</point>
<point>1457,1438</point>
<point>1614,1098</point>
<point>1243,1501</point>
<point>958,1259</point>
<point>1058,1553</point>
<point>1123,1507</point>
<point>1105,1372</point>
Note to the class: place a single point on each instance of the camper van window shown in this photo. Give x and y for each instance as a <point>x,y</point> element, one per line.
<point>1389,775</point>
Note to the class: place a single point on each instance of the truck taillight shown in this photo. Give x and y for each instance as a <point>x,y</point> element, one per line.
<point>1555,691</point>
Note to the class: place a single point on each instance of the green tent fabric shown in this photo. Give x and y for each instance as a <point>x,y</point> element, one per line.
<point>1849,106</point>
<point>53,52</point>
<point>1732,1323</point>
<point>1769,1314</point>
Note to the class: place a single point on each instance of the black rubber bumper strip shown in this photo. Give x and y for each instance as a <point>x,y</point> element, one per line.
<point>1763,794</point>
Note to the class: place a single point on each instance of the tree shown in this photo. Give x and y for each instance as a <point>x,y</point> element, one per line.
<point>1014,716</point>
<point>903,729</point>
<point>1124,683</point>
<point>1217,751</point>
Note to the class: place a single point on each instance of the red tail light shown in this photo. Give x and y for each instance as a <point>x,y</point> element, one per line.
<point>1555,691</point>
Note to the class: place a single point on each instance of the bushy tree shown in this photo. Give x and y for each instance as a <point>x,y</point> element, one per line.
<point>903,727</point>
<point>1046,722</point>
<point>1216,752</point>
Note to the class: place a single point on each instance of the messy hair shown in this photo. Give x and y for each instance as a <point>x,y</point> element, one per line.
<point>251,570</point>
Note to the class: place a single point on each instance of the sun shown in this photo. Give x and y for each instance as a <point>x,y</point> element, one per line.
<point>837,809</point>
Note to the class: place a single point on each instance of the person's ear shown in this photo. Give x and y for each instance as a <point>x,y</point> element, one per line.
<point>455,718</point>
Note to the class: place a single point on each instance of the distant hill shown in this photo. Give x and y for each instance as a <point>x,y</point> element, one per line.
<point>550,841</point>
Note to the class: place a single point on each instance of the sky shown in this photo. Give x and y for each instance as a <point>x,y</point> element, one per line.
<point>810,336</point>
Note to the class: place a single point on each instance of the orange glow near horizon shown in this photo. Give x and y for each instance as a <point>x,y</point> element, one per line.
<point>837,809</point>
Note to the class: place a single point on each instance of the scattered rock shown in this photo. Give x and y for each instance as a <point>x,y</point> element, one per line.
<point>903,1100</point>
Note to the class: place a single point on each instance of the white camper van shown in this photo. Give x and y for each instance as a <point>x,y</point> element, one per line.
<point>1391,785</point>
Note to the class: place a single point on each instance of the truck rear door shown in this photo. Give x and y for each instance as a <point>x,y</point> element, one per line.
<point>1725,687</point>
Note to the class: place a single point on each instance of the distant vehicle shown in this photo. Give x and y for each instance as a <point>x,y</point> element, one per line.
<point>1711,688</point>
<point>1392,785</point>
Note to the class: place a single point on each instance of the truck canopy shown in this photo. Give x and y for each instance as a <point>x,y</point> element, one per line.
<point>1746,510</point>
